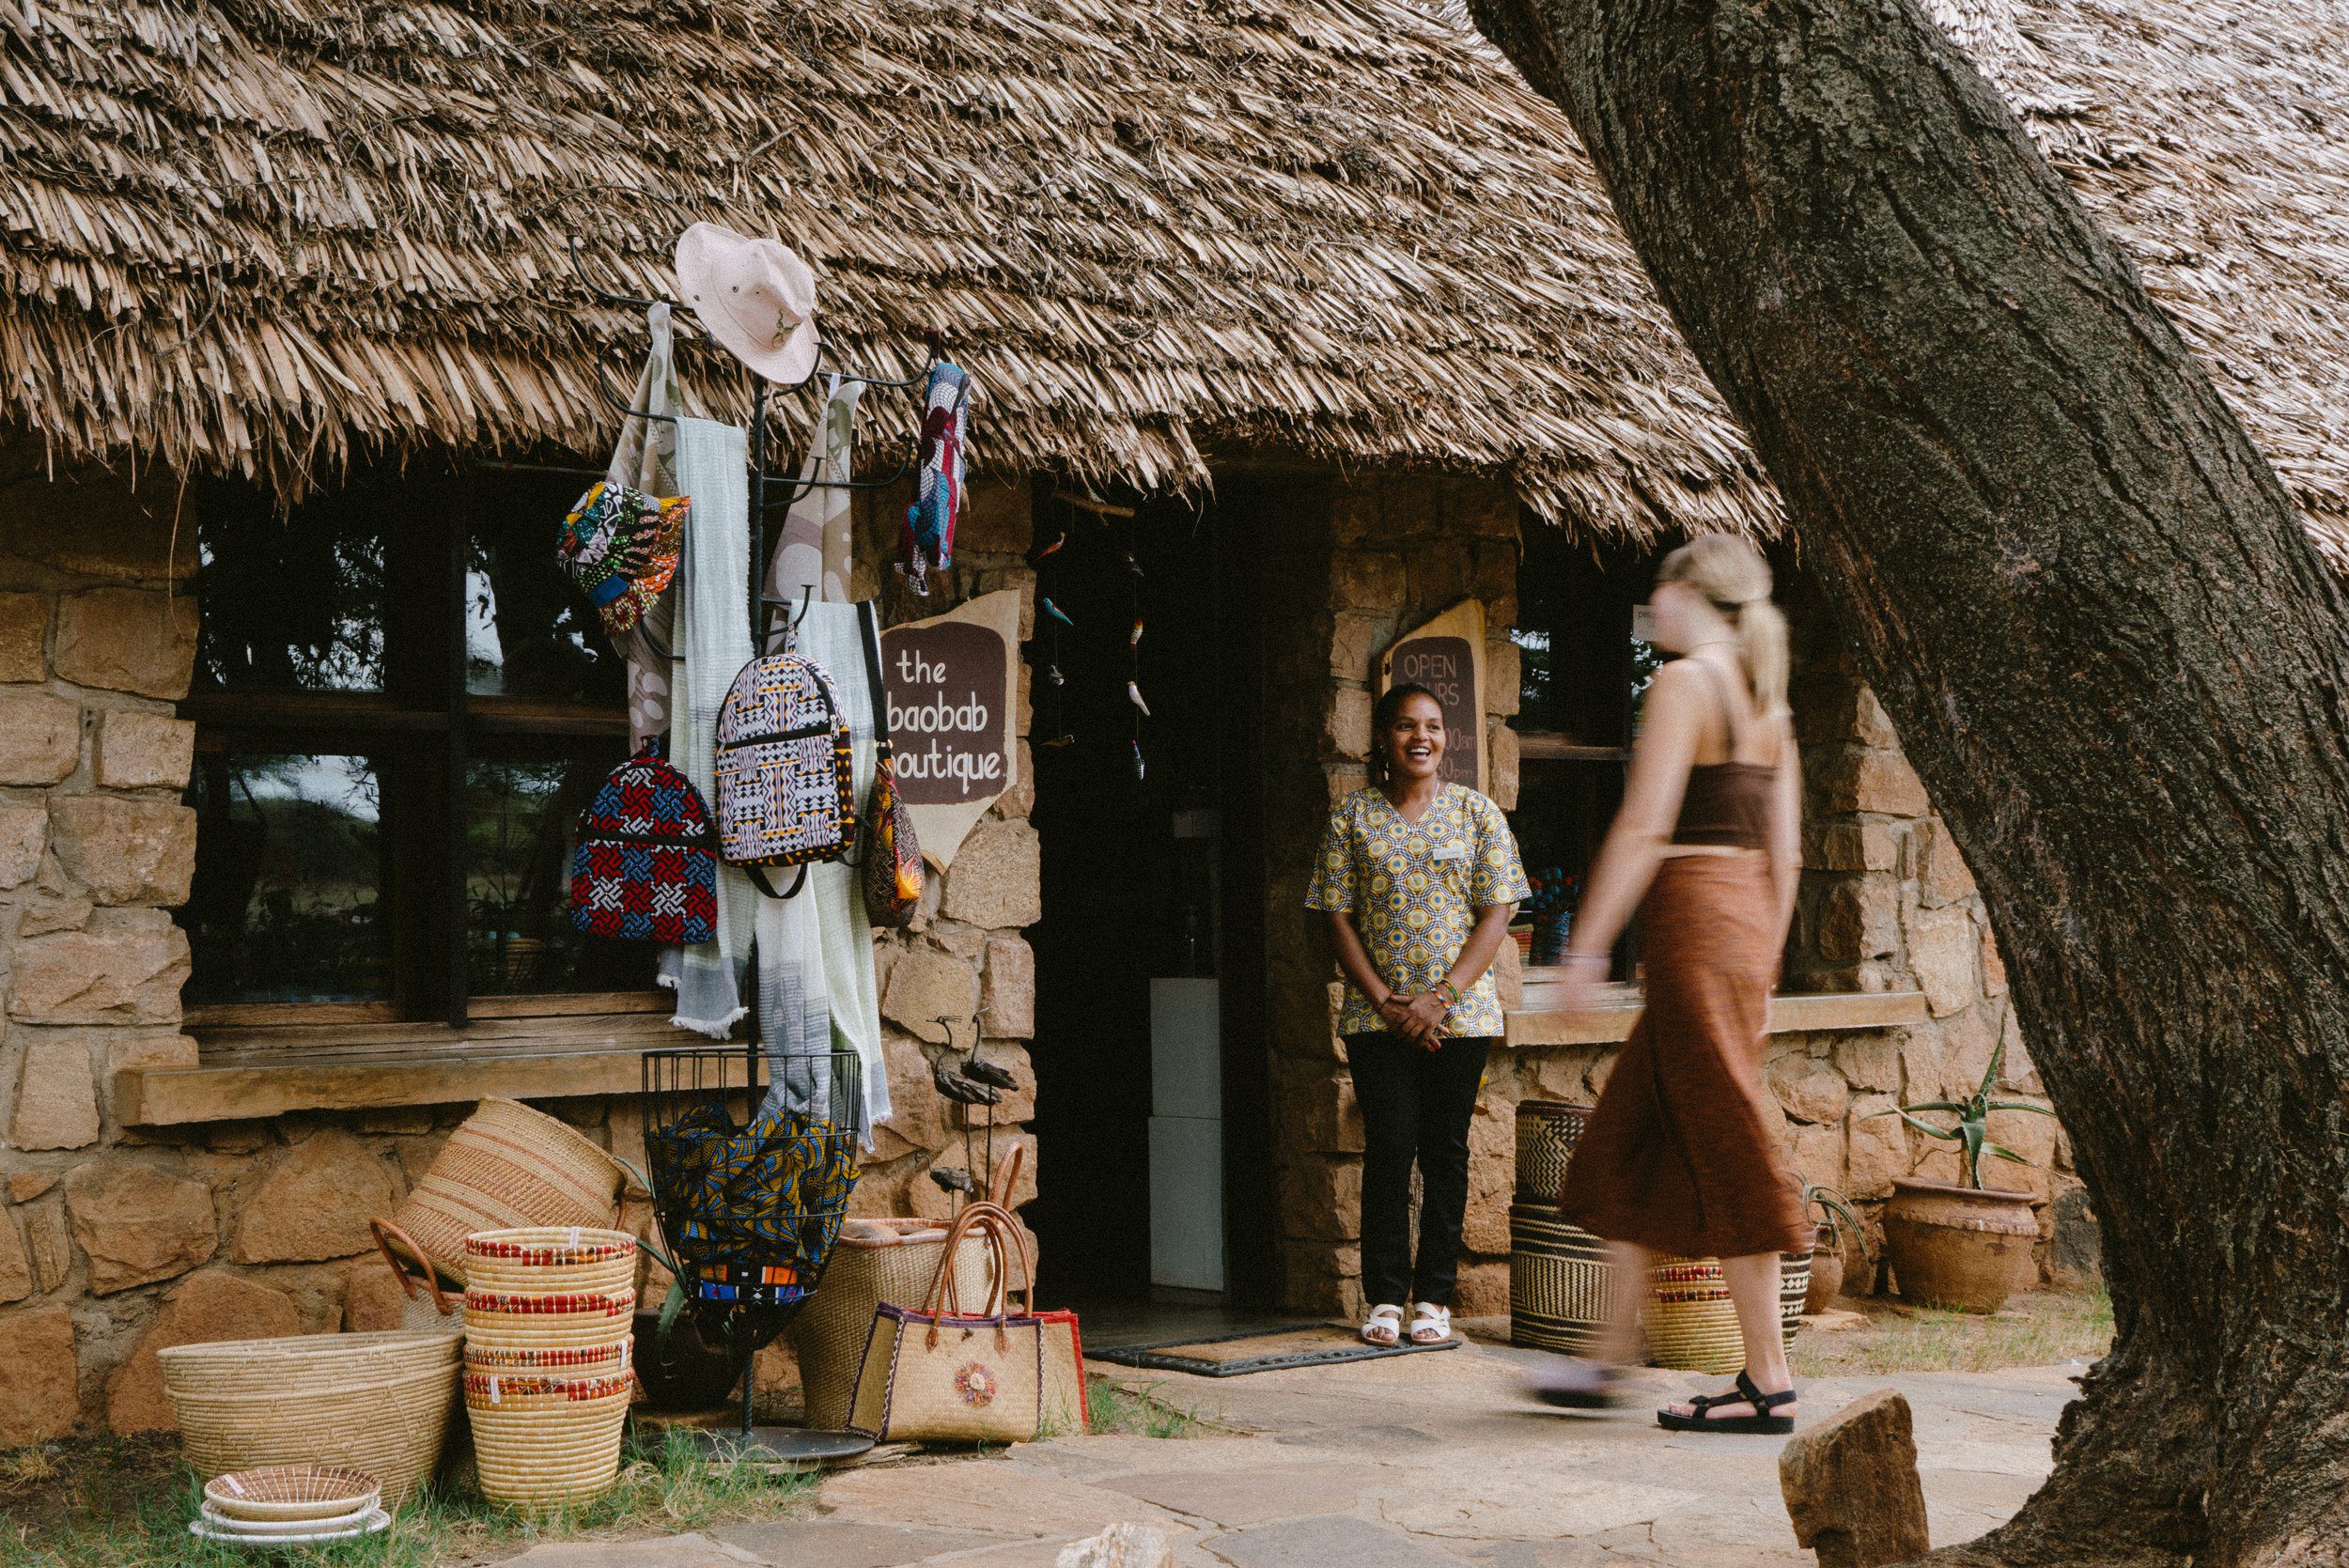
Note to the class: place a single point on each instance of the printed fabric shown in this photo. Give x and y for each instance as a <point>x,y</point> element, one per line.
<point>751,1212</point>
<point>621,546</point>
<point>785,766</point>
<point>644,867</point>
<point>1414,890</point>
<point>929,534</point>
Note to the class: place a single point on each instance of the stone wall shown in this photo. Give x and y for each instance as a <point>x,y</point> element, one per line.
<point>114,1241</point>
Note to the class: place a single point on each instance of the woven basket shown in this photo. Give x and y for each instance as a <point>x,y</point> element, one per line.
<point>873,1262</point>
<point>1559,1281</point>
<point>542,1441</point>
<point>508,1165</point>
<point>570,1320</point>
<point>1547,1131</point>
<point>551,1258</point>
<point>374,1403</point>
<point>597,1360</point>
<point>1691,1322</point>
<point>279,1494</point>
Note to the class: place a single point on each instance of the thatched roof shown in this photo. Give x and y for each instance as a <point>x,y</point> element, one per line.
<point>2211,139</point>
<point>260,235</point>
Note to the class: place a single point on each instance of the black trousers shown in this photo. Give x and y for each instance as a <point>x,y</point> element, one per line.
<point>1416,1105</point>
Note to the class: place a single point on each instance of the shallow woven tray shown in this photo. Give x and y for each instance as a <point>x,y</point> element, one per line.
<point>279,1492</point>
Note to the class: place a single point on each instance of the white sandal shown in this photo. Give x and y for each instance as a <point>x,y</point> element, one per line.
<point>1431,1324</point>
<point>1384,1328</point>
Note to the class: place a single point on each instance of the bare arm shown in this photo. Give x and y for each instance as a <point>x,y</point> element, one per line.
<point>1651,804</point>
<point>1786,833</point>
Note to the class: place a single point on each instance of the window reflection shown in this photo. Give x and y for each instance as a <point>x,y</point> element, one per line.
<point>519,818</point>
<point>286,905</point>
<point>290,603</point>
<point>529,631</point>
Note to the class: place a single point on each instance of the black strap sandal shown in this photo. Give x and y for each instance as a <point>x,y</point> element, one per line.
<point>1579,1386</point>
<point>1761,1423</point>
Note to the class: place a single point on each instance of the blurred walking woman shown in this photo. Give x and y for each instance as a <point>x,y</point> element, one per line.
<point>1418,879</point>
<point>1681,1155</point>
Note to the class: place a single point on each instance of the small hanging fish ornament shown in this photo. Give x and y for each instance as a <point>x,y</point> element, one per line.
<point>1133,639</point>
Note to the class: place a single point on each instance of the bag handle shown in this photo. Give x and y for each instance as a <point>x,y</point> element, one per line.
<point>385,1233</point>
<point>942,1291</point>
<point>868,621</point>
<point>996,1226</point>
<point>1006,1180</point>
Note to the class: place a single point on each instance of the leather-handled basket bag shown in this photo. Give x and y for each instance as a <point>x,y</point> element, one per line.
<point>943,1374</point>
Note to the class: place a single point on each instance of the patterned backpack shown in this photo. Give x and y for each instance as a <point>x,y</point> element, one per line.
<point>645,865</point>
<point>786,793</point>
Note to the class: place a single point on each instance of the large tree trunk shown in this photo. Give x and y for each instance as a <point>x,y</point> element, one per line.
<point>2113,657</point>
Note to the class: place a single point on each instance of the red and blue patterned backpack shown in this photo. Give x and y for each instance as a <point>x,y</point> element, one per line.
<point>645,865</point>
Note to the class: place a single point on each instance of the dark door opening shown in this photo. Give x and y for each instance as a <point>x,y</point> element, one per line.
<point>1146,938</point>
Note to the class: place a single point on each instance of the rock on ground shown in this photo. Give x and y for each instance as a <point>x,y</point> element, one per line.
<point>1851,1485</point>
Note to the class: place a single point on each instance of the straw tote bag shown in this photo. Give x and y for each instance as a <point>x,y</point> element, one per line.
<point>876,1261</point>
<point>506,1167</point>
<point>946,1376</point>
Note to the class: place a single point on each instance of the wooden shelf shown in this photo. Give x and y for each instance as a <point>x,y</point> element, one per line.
<point>1545,746</point>
<point>1609,1022</point>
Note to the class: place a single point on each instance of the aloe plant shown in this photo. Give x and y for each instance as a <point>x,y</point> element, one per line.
<point>1833,1207</point>
<point>1972,1132</point>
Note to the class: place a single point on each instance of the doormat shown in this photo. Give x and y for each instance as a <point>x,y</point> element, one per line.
<point>1314,1344</point>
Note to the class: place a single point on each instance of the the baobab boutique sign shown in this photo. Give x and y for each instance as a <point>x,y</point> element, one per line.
<point>951,683</point>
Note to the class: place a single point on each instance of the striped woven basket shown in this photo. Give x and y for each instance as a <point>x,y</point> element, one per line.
<point>508,1165</point>
<point>543,1441</point>
<point>567,1320</point>
<point>1547,1131</point>
<point>1559,1281</point>
<point>599,1360</point>
<point>551,1258</point>
<point>375,1403</point>
<point>1691,1322</point>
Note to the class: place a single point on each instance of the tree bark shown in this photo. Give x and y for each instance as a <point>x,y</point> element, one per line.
<point>2113,657</point>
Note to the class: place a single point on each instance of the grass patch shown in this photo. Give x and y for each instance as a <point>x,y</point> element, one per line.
<point>1136,1410</point>
<point>2032,1331</point>
<point>126,1504</point>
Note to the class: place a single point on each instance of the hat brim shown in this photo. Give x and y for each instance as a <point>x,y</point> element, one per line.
<point>788,364</point>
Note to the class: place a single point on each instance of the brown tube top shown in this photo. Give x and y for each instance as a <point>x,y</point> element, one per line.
<point>1727,803</point>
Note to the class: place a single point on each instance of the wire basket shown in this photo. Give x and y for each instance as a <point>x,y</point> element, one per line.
<point>752,1159</point>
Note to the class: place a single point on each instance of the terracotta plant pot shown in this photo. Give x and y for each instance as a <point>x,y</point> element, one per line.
<point>1960,1246</point>
<point>1826,1279</point>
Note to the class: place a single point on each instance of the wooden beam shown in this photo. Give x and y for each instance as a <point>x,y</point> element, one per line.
<point>1609,1022</point>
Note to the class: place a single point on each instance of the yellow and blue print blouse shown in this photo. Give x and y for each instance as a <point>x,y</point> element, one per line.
<point>1415,889</point>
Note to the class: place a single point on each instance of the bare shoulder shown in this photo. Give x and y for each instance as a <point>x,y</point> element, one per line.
<point>1679,688</point>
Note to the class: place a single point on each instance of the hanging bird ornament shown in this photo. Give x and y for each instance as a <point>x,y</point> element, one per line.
<point>1056,612</point>
<point>1133,695</point>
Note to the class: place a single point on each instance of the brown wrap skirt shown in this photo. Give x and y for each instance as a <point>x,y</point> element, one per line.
<point>1682,1155</point>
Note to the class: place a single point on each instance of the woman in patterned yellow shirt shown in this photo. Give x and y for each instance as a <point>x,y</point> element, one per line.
<point>1418,879</point>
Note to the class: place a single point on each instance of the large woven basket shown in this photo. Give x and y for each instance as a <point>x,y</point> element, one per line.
<point>1691,1322</point>
<point>542,1441</point>
<point>551,1258</point>
<point>1559,1281</point>
<point>1547,1131</point>
<point>873,1260</point>
<point>508,1165</point>
<point>376,1402</point>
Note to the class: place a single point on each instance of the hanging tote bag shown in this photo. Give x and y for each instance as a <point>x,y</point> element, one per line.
<point>784,770</point>
<point>645,863</point>
<point>893,857</point>
<point>943,1374</point>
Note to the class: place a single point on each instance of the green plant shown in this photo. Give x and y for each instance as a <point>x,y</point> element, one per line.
<point>1972,1132</point>
<point>1835,1212</point>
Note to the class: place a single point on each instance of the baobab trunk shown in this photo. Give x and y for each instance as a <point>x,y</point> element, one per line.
<point>2114,658</point>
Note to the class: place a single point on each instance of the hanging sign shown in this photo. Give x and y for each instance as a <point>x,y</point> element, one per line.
<point>1447,657</point>
<point>951,683</point>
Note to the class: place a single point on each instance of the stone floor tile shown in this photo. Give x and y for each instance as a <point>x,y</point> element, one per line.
<point>988,1496</point>
<point>1333,1540</point>
<point>1249,1497</point>
<point>845,1543</point>
<point>674,1551</point>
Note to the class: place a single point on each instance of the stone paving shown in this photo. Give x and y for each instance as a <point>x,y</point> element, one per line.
<point>1414,1462</point>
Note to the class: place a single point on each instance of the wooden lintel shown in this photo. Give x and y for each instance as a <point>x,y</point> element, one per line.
<point>1609,1022</point>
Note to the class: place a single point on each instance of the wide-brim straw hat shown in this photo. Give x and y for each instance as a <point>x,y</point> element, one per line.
<point>756,297</point>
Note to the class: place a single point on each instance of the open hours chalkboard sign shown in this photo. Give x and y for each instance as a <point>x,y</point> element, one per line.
<point>951,685</point>
<point>1447,657</point>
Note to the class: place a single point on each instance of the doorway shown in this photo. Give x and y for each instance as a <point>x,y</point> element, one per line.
<point>1150,1051</point>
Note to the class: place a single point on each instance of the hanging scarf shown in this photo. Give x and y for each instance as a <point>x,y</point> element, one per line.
<point>930,533</point>
<point>713,638</point>
<point>814,549</point>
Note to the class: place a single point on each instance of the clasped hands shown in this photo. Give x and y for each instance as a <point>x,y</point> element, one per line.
<point>1416,1018</point>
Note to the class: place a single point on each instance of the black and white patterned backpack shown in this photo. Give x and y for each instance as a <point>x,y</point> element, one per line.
<point>785,773</point>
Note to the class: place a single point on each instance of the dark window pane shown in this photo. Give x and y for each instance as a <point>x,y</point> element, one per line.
<point>529,631</point>
<point>290,602</point>
<point>287,903</point>
<point>520,939</point>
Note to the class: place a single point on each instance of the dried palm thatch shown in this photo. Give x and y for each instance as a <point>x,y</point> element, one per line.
<point>2211,139</point>
<point>260,235</point>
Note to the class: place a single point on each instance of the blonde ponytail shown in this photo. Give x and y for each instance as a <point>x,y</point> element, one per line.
<point>1727,569</point>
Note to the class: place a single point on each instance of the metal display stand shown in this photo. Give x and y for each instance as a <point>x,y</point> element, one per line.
<point>730,1086</point>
